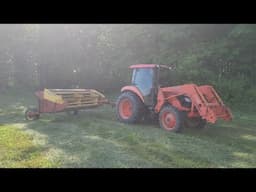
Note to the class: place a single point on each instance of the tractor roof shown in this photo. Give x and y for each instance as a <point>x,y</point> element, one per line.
<point>147,66</point>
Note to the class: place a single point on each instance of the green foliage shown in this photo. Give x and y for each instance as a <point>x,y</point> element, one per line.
<point>97,56</point>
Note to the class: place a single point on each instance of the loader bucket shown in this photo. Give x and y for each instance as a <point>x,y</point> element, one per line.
<point>215,107</point>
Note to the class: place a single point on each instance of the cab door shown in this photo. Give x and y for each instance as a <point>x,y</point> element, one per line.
<point>144,80</point>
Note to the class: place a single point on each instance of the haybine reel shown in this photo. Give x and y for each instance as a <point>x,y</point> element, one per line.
<point>176,107</point>
<point>69,100</point>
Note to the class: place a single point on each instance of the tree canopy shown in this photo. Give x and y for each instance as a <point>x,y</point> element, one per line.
<point>35,56</point>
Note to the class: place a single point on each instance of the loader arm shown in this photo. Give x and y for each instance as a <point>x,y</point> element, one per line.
<point>209,104</point>
<point>214,103</point>
<point>206,102</point>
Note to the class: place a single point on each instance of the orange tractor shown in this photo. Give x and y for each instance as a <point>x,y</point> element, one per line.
<point>176,107</point>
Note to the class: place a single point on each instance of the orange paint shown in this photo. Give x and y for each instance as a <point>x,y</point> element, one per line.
<point>205,101</point>
<point>125,108</point>
<point>134,90</point>
<point>169,120</point>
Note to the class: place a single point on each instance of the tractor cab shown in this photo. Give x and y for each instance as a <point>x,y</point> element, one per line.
<point>148,78</point>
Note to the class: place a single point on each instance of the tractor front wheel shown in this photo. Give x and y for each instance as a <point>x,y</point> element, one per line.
<point>129,108</point>
<point>170,119</point>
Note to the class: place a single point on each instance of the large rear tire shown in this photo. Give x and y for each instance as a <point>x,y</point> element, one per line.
<point>129,108</point>
<point>170,119</point>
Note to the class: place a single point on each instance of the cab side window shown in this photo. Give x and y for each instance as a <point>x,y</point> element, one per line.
<point>143,79</point>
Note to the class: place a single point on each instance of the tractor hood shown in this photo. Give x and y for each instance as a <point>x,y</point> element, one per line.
<point>177,90</point>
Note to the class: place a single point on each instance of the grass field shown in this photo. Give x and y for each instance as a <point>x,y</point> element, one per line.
<point>94,138</point>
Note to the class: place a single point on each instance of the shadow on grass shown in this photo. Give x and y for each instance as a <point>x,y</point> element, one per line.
<point>92,139</point>
<point>238,135</point>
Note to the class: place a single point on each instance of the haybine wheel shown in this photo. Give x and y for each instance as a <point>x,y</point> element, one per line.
<point>32,114</point>
<point>129,108</point>
<point>170,119</point>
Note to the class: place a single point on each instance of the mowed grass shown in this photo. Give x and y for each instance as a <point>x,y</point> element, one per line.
<point>95,139</point>
<point>18,150</point>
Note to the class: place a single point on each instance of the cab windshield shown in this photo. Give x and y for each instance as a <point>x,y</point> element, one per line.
<point>143,79</point>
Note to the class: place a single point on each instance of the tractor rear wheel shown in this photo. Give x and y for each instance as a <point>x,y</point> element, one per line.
<point>170,119</point>
<point>129,108</point>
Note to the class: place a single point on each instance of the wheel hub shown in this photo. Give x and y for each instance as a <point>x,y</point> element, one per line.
<point>169,120</point>
<point>125,108</point>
